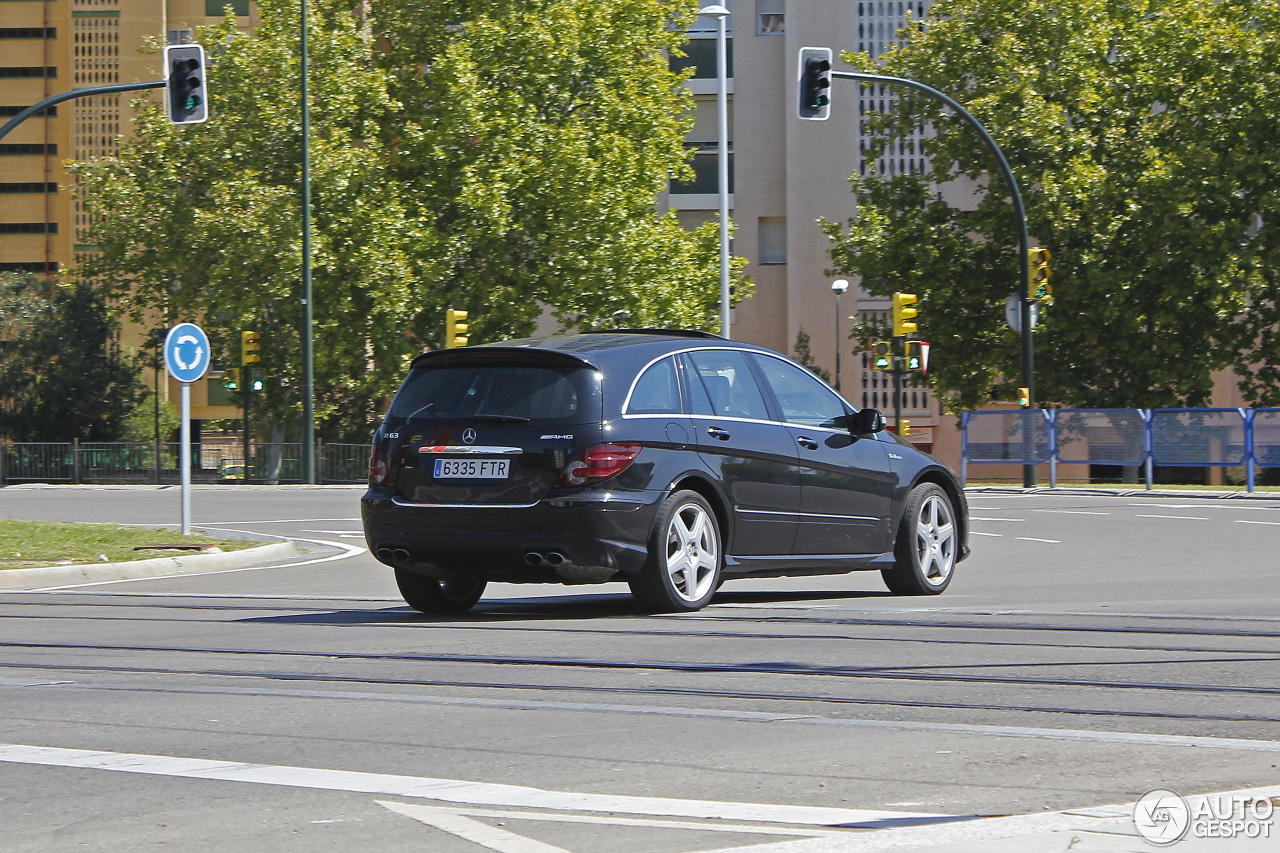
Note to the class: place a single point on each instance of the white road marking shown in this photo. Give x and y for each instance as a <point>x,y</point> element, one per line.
<point>1176,517</point>
<point>613,820</point>
<point>980,518</point>
<point>447,790</point>
<point>1072,512</point>
<point>980,533</point>
<point>1108,827</point>
<point>342,534</point>
<point>1033,539</point>
<point>491,837</point>
<point>1247,521</point>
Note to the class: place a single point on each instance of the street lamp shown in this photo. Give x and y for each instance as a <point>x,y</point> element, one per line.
<point>720,13</point>
<point>838,287</point>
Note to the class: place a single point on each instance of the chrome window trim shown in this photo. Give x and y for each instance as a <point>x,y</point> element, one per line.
<point>454,449</point>
<point>626,403</point>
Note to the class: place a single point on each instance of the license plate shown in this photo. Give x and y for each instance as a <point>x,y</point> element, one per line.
<point>472,469</point>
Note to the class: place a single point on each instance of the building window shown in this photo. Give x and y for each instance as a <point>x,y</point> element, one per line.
<point>179,36</point>
<point>700,55</point>
<point>770,17</point>
<point>772,237</point>
<point>218,8</point>
<point>706,174</point>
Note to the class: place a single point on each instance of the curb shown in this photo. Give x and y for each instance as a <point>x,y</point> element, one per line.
<point>158,567</point>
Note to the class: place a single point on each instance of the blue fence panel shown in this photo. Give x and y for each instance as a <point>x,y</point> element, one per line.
<point>1266,437</point>
<point>1100,436</point>
<point>1013,437</point>
<point>1198,437</point>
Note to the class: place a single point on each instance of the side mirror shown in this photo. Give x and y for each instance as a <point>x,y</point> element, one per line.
<point>866,422</point>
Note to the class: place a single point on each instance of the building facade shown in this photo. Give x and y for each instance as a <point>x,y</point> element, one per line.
<point>48,47</point>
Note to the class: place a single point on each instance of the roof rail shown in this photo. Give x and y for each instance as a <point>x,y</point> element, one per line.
<point>675,333</point>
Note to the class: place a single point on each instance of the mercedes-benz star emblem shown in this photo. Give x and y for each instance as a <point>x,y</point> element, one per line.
<point>469,436</point>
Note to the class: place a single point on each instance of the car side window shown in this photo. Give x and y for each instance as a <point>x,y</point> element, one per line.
<point>656,391</point>
<point>803,397</point>
<point>724,385</point>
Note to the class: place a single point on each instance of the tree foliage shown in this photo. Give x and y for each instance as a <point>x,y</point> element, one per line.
<point>492,156</point>
<point>60,376</point>
<point>1140,134</point>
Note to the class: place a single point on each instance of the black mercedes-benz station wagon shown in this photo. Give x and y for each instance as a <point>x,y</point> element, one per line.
<point>670,460</point>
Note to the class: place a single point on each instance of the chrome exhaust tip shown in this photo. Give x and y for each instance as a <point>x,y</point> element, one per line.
<point>533,558</point>
<point>400,556</point>
<point>385,555</point>
<point>555,559</point>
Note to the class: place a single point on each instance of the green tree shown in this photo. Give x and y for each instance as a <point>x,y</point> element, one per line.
<point>804,355</point>
<point>1140,136</point>
<point>490,156</point>
<point>61,376</point>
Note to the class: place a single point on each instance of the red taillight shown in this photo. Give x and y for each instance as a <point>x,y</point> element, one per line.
<point>379,468</point>
<point>599,462</point>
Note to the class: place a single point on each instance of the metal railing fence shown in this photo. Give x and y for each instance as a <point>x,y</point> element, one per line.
<point>219,460</point>
<point>1138,438</point>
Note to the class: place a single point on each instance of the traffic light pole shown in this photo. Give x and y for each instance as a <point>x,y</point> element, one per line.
<point>1024,238</point>
<point>899,354</point>
<point>86,92</point>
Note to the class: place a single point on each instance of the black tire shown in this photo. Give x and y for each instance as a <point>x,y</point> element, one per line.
<point>431,596</point>
<point>685,557</point>
<point>927,546</point>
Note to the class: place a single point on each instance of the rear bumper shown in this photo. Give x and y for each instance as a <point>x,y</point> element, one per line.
<point>584,537</point>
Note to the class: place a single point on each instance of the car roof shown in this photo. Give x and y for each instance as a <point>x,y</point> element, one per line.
<point>591,348</point>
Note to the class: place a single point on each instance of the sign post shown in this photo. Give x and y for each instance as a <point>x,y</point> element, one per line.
<point>186,356</point>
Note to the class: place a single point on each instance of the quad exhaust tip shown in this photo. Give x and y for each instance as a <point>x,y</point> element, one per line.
<point>533,558</point>
<point>555,559</point>
<point>400,556</point>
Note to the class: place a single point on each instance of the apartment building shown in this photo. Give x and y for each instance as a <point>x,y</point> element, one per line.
<point>52,46</point>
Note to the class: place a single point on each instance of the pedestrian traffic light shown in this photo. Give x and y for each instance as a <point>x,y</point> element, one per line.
<point>904,314</point>
<point>814,97</point>
<point>881,355</point>
<point>231,379</point>
<point>184,75</point>
<point>249,348</point>
<point>1024,397</point>
<point>455,328</point>
<point>1038,289</point>
<point>259,379</point>
<point>914,355</point>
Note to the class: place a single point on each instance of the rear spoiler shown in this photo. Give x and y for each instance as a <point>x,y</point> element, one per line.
<point>499,354</point>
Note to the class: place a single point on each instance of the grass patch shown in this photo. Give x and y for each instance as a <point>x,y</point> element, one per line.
<point>34,544</point>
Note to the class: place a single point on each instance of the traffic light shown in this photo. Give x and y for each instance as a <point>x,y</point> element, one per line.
<point>259,378</point>
<point>881,355</point>
<point>249,348</point>
<point>1024,397</point>
<point>184,73</point>
<point>455,328</point>
<point>904,427</point>
<point>231,379</point>
<point>814,97</point>
<point>914,355</point>
<point>1038,288</point>
<point>904,314</point>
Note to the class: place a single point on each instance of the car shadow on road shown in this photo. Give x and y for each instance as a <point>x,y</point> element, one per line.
<point>567,607</point>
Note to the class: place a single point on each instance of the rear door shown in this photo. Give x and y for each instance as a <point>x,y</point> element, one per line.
<point>753,456</point>
<point>489,430</point>
<point>846,486</point>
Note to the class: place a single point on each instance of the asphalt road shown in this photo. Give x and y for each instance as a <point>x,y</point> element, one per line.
<point>1093,647</point>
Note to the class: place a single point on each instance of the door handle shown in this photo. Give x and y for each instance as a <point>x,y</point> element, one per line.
<point>806,442</point>
<point>717,432</point>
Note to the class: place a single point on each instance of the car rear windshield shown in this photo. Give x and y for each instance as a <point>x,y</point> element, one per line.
<point>536,393</point>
